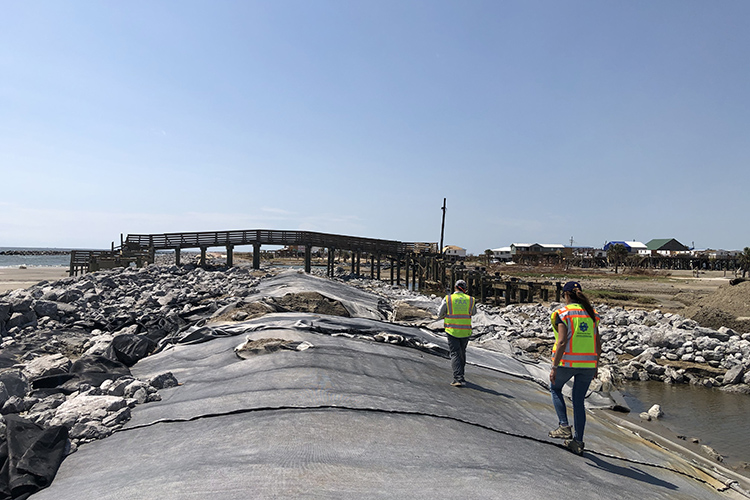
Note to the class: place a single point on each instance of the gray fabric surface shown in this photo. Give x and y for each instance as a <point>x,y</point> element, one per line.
<point>354,418</point>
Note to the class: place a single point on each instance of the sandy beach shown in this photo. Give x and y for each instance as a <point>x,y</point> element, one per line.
<point>12,278</point>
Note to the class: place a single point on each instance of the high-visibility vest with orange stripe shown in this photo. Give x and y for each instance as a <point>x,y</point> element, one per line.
<point>580,350</point>
<point>458,317</point>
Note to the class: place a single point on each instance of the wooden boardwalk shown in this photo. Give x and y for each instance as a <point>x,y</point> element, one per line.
<point>139,248</point>
<point>421,265</point>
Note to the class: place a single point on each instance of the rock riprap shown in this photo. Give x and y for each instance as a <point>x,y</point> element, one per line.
<point>637,344</point>
<point>640,345</point>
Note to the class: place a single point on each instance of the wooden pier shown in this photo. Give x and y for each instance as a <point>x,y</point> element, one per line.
<point>421,265</point>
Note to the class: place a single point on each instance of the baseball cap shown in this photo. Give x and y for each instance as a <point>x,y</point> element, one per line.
<point>570,286</point>
<point>461,285</point>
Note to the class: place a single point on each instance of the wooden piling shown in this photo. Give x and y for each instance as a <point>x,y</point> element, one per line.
<point>230,255</point>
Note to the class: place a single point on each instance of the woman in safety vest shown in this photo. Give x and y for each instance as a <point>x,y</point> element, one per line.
<point>575,355</point>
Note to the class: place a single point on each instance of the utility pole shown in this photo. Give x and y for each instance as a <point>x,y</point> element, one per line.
<point>442,229</point>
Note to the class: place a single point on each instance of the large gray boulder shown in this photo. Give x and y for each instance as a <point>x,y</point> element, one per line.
<point>4,312</point>
<point>734,375</point>
<point>22,319</point>
<point>655,412</point>
<point>21,303</point>
<point>164,381</point>
<point>46,308</point>
<point>49,403</point>
<point>15,382</point>
<point>86,408</point>
<point>70,296</point>
<point>43,366</point>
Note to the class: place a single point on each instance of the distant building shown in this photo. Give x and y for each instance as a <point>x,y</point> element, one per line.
<point>586,251</point>
<point>454,251</point>
<point>535,248</point>
<point>633,247</point>
<point>717,254</point>
<point>298,250</point>
<point>666,246</point>
<point>502,253</point>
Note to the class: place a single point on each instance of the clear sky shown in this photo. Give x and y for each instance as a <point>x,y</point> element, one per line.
<point>537,120</point>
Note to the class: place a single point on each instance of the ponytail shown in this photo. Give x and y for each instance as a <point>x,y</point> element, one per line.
<point>580,298</point>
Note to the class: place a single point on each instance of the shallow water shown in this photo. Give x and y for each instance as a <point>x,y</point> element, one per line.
<point>721,420</point>
<point>33,260</point>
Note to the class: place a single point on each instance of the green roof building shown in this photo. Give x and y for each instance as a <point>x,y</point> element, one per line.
<point>666,246</point>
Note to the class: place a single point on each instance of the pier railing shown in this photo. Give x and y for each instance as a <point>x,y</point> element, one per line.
<point>139,248</point>
<point>172,241</point>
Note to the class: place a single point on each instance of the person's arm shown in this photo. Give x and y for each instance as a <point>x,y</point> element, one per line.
<point>443,309</point>
<point>562,339</point>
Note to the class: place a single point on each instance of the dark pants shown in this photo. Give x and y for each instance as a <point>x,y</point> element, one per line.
<point>457,348</point>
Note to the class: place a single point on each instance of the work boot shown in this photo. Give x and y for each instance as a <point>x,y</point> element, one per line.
<point>574,446</point>
<point>457,383</point>
<point>562,432</point>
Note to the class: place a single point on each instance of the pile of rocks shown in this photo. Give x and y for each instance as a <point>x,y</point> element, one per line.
<point>154,299</point>
<point>89,413</point>
<point>48,326</point>
<point>641,345</point>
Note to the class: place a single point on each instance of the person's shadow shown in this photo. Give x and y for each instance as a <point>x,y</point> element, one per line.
<point>629,472</point>
<point>471,385</point>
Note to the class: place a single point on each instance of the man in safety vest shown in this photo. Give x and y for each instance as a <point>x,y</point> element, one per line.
<point>457,309</point>
<point>575,355</point>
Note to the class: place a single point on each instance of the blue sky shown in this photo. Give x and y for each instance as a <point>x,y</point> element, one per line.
<point>537,120</point>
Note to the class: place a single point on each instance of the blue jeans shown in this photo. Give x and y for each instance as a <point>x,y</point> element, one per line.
<point>581,381</point>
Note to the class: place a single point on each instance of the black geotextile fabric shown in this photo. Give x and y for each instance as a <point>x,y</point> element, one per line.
<point>352,418</point>
<point>381,331</point>
<point>369,329</point>
<point>353,372</point>
<point>30,456</point>
<point>345,454</point>
<point>131,348</point>
<point>90,369</point>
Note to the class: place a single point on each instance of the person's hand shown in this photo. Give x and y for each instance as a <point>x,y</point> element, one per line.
<point>552,374</point>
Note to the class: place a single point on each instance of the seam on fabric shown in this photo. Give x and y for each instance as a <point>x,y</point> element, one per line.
<point>403,412</point>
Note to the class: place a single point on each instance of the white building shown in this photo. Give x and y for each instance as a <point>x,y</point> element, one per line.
<point>502,253</point>
<point>630,246</point>
<point>454,251</point>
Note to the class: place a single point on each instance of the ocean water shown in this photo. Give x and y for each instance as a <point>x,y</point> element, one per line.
<point>719,419</point>
<point>33,260</point>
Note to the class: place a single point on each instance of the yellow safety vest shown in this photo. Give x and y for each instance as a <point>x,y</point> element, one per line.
<point>458,318</point>
<point>580,350</point>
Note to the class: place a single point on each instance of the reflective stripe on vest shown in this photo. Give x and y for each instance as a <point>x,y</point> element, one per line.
<point>458,318</point>
<point>580,350</point>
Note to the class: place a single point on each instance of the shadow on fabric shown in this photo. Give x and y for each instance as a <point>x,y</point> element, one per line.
<point>629,472</point>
